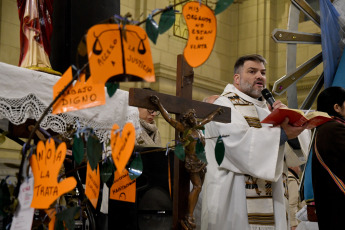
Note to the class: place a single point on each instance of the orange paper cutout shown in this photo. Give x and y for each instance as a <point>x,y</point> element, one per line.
<point>122,54</point>
<point>45,166</point>
<point>122,145</point>
<point>202,30</point>
<point>51,214</point>
<point>80,96</point>
<point>93,182</point>
<point>123,188</point>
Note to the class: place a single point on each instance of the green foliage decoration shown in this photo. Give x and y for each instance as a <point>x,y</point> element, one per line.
<point>219,150</point>
<point>200,151</point>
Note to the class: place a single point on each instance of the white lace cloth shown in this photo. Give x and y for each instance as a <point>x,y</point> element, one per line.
<point>26,94</point>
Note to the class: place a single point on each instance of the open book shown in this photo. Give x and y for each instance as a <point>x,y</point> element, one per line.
<point>297,117</point>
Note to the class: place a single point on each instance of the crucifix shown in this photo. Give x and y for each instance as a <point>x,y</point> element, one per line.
<point>178,105</point>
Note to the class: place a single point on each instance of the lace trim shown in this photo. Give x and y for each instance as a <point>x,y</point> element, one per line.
<point>18,110</point>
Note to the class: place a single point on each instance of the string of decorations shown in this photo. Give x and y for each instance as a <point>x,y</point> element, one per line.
<point>87,137</point>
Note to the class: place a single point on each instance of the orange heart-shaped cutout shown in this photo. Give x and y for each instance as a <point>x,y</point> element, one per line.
<point>202,30</point>
<point>122,145</point>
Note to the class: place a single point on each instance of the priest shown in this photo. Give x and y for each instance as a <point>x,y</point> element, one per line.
<point>247,190</point>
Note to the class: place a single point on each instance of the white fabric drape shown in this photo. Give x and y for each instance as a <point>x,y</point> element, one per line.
<point>26,94</point>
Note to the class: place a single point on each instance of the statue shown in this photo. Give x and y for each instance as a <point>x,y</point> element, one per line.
<point>36,28</point>
<point>194,166</point>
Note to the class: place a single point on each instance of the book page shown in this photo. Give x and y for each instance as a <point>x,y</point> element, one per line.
<point>315,114</point>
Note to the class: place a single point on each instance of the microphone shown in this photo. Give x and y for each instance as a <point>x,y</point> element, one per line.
<point>268,96</point>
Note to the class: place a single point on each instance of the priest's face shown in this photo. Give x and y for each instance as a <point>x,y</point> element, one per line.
<point>251,78</point>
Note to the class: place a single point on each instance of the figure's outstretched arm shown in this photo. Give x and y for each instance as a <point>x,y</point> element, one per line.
<point>174,123</point>
<point>211,116</point>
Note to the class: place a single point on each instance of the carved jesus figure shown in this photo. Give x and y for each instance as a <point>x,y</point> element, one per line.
<point>196,168</point>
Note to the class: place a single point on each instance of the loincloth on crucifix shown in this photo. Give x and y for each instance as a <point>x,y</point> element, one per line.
<point>194,164</point>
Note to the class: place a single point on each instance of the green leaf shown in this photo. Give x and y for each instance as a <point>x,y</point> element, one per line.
<point>111,88</point>
<point>107,170</point>
<point>110,181</point>
<point>200,151</point>
<point>152,29</point>
<point>94,151</point>
<point>167,20</point>
<point>219,150</point>
<point>78,149</point>
<point>59,225</point>
<point>179,152</point>
<point>136,167</point>
<point>222,5</point>
<point>68,217</point>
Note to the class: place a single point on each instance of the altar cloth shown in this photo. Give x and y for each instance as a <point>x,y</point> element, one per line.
<point>25,94</point>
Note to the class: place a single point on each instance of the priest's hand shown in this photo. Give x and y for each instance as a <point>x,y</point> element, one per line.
<point>276,105</point>
<point>292,131</point>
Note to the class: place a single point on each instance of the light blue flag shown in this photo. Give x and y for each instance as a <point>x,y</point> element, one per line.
<point>330,40</point>
<point>308,186</point>
<point>339,78</point>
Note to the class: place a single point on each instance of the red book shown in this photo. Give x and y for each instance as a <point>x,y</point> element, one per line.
<point>297,117</point>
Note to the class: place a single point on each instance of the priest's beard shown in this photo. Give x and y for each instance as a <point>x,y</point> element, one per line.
<point>248,89</point>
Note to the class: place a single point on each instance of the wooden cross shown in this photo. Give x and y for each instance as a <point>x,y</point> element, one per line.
<point>178,105</point>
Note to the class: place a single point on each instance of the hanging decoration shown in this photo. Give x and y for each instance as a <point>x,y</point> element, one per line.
<point>136,167</point>
<point>219,150</point>
<point>122,145</point>
<point>92,184</point>
<point>200,151</point>
<point>123,188</point>
<point>116,52</point>
<point>81,95</point>
<point>222,5</point>
<point>202,30</point>
<point>152,29</point>
<point>167,20</point>
<point>46,164</point>
<point>119,53</point>
<point>93,150</point>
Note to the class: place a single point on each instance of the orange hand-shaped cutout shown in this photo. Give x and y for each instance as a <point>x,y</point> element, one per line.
<point>122,145</point>
<point>202,30</point>
<point>45,166</point>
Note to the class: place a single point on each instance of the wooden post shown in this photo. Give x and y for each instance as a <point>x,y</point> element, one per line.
<point>178,105</point>
<point>184,88</point>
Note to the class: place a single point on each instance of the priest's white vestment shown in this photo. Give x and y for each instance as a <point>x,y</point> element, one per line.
<point>248,150</point>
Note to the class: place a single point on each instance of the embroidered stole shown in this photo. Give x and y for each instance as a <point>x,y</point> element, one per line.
<point>258,191</point>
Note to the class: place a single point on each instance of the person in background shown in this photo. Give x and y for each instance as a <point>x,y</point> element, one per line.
<point>330,150</point>
<point>248,189</point>
<point>210,99</point>
<point>294,202</point>
<point>149,131</point>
